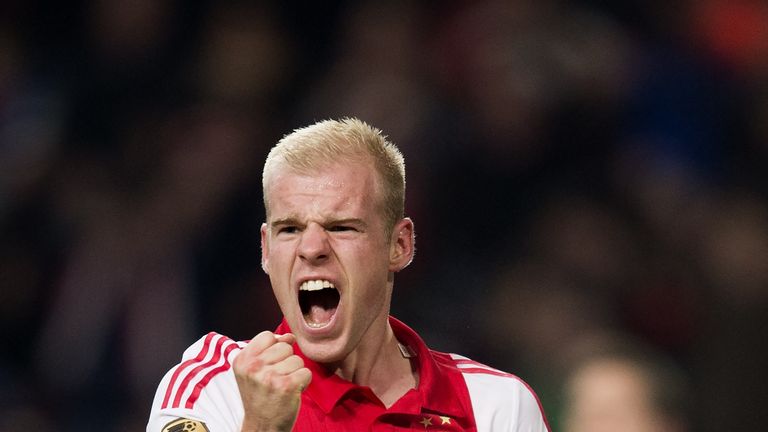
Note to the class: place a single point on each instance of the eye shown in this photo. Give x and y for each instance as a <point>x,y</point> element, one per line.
<point>341,228</point>
<point>287,229</point>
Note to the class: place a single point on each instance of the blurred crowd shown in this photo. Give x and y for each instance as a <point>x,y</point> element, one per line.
<point>583,175</point>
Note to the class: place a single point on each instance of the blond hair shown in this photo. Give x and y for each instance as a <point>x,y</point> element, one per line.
<point>326,142</point>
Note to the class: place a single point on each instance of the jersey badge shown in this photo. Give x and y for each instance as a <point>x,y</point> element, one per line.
<point>185,425</point>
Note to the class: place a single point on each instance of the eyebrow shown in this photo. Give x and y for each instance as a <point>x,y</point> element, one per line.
<point>348,221</point>
<point>295,221</point>
<point>285,221</point>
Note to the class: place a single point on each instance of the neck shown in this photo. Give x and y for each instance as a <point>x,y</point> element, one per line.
<point>378,364</point>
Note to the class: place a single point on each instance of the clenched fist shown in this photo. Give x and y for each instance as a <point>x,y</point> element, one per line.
<point>270,378</point>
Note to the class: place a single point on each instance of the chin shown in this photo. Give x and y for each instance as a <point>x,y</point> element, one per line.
<point>321,352</point>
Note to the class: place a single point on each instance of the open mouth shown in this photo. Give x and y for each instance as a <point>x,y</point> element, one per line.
<point>318,300</point>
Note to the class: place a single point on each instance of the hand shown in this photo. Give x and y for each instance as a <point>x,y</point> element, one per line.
<point>270,378</point>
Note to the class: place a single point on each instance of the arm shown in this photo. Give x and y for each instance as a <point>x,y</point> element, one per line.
<point>228,386</point>
<point>201,388</point>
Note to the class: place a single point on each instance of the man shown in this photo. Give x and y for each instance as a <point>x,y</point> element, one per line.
<point>334,237</point>
<point>618,385</point>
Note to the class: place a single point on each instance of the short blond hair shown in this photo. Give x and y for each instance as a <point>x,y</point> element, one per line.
<point>329,141</point>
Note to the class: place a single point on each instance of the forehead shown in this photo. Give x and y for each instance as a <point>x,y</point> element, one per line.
<point>333,187</point>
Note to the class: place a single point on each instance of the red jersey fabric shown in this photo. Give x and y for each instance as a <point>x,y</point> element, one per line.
<point>440,402</point>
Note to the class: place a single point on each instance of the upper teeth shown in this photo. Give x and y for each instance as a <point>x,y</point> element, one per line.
<point>315,285</point>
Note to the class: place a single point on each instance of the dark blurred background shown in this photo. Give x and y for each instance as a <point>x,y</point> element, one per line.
<point>574,168</point>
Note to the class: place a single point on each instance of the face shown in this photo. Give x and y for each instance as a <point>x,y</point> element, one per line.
<point>329,258</point>
<point>611,396</point>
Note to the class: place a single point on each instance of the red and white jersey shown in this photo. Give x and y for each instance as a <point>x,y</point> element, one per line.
<point>454,394</point>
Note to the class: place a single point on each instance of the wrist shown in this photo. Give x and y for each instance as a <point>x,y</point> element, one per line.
<point>259,426</point>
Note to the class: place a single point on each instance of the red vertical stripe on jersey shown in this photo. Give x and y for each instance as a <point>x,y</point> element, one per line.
<point>195,371</point>
<point>200,356</point>
<point>487,372</point>
<point>481,368</point>
<point>199,386</point>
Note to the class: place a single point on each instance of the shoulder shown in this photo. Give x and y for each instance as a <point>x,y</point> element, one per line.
<point>210,356</point>
<point>485,382</point>
<point>201,386</point>
<point>501,401</point>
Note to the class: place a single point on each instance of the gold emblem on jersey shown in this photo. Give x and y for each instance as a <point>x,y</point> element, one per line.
<point>185,425</point>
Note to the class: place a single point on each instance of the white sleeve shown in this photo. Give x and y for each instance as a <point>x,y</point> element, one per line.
<point>501,402</point>
<point>201,388</point>
<point>504,404</point>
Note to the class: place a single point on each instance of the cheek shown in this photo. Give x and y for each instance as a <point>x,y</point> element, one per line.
<point>277,287</point>
<point>371,266</point>
<point>280,255</point>
<point>373,282</point>
<point>279,270</point>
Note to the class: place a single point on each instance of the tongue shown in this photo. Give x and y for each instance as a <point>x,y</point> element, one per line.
<point>319,315</point>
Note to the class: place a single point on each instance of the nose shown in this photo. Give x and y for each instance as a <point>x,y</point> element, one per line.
<point>313,245</point>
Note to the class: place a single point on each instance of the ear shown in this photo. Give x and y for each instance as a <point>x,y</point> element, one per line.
<point>402,245</point>
<point>265,248</point>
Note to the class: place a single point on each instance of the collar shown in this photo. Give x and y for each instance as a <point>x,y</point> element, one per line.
<point>435,391</point>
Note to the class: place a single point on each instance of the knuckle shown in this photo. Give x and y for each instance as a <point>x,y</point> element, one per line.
<point>285,348</point>
<point>306,373</point>
<point>286,385</point>
<point>255,365</point>
<point>263,339</point>
<point>279,351</point>
<point>247,366</point>
<point>264,334</point>
<point>267,377</point>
